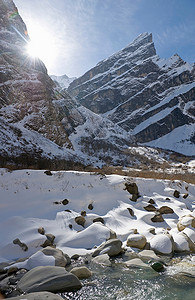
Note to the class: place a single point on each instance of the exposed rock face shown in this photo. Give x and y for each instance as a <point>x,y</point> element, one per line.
<point>141,92</point>
<point>25,86</point>
<point>37,120</point>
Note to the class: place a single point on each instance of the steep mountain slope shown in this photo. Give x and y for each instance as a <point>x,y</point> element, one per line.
<point>144,94</point>
<point>63,81</point>
<point>37,120</point>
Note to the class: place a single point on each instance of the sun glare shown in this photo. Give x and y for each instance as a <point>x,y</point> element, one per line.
<point>41,45</point>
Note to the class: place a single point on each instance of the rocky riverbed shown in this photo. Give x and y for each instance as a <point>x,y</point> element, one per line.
<point>83,235</point>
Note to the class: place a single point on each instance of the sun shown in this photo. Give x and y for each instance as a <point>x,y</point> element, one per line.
<point>41,45</point>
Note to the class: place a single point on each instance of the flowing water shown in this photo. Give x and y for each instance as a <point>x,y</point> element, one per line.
<point>177,282</point>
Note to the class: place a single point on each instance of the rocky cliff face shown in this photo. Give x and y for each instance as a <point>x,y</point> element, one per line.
<point>144,94</point>
<point>38,121</point>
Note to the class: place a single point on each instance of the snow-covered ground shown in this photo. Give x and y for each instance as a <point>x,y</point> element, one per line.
<point>176,140</point>
<point>27,202</point>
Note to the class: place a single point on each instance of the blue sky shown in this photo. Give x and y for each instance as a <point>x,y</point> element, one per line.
<point>87,31</point>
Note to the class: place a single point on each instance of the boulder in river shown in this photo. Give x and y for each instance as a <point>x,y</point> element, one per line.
<point>136,241</point>
<point>111,247</point>
<point>51,279</point>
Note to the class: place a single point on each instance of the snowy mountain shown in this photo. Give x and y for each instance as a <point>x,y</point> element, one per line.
<point>39,123</point>
<point>150,97</point>
<point>62,81</point>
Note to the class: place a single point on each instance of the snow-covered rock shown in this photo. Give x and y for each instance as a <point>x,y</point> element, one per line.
<point>46,257</point>
<point>136,241</point>
<point>162,244</point>
<point>63,81</point>
<point>149,96</point>
<point>186,221</point>
<point>180,242</point>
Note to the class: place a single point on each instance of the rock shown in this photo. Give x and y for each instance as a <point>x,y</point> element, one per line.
<point>65,201</point>
<point>150,207</point>
<point>83,213</point>
<point>148,255</point>
<point>157,218</point>
<point>80,220</point>
<point>50,237</point>
<point>102,260</point>
<point>151,201</point>
<point>112,235</point>
<point>111,247</point>
<point>12,270</point>
<point>162,244</point>
<point>81,272</point>
<point>60,259</point>
<point>5,286</point>
<point>137,263</point>
<point>157,266</point>
<point>2,271</point>
<point>181,242</point>
<point>152,230</point>
<point>75,256</point>
<point>185,195</point>
<point>186,221</point>
<point>68,259</point>
<point>46,257</point>
<point>134,197</point>
<point>90,206</point>
<point>165,210</point>
<point>132,188</point>
<point>131,211</point>
<point>48,172</point>
<point>38,296</point>
<point>46,244</point>
<point>133,231</point>
<point>50,279</point>
<point>49,241</point>
<point>99,219</point>
<point>136,241</point>
<point>41,230</point>
<point>190,233</point>
<point>70,226</point>
<point>22,245</point>
<point>176,194</point>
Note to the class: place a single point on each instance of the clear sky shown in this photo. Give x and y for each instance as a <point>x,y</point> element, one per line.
<point>83,32</point>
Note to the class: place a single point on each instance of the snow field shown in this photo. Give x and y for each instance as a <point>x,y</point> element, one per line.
<point>27,203</point>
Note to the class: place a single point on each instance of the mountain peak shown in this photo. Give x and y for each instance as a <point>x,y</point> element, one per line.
<point>143,37</point>
<point>143,40</point>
